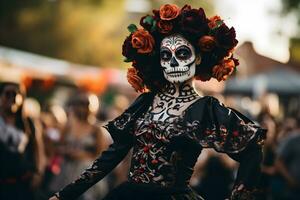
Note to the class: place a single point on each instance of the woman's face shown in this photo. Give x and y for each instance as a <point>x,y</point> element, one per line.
<point>80,108</point>
<point>177,58</point>
<point>11,98</point>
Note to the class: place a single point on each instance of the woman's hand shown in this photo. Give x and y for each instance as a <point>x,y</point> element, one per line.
<point>53,198</point>
<point>242,193</point>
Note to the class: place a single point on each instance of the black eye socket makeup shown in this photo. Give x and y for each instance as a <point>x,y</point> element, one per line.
<point>165,54</point>
<point>183,52</point>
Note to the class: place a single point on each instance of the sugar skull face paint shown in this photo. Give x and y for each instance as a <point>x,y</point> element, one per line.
<point>177,58</point>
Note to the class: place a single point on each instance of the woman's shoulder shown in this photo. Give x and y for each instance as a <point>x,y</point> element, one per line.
<point>202,102</point>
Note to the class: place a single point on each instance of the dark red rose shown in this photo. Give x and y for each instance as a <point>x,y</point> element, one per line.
<point>194,21</point>
<point>165,26</point>
<point>156,14</point>
<point>206,43</point>
<point>226,37</point>
<point>144,24</point>
<point>127,50</point>
<point>134,64</point>
<point>186,8</point>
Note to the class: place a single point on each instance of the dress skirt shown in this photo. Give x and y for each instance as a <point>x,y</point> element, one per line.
<point>137,191</point>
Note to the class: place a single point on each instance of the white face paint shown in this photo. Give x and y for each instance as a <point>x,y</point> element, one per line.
<point>177,58</point>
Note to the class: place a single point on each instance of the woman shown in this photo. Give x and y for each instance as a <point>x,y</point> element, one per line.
<point>170,125</point>
<point>82,142</point>
<point>20,146</point>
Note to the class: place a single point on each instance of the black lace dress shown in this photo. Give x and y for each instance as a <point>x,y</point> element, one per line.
<point>164,153</point>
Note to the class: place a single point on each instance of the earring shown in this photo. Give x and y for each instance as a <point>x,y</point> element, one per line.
<point>198,60</point>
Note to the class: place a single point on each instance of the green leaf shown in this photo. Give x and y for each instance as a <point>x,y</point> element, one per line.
<point>148,20</point>
<point>127,60</point>
<point>153,26</point>
<point>132,28</point>
<point>219,23</point>
<point>235,70</point>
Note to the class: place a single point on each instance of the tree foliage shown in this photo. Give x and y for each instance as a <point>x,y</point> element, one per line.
<point>291,6</point>
<point>82,31</point>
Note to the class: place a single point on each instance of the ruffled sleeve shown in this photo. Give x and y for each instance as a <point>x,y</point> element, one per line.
<point>120,130</point>
<point>120,127</point>
<point>228,131</point>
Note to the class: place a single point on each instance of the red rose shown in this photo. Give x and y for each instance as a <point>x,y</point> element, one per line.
<point>194,21</point>
<point>223,70</point>
<point>164,26</point>
<point>134,80</point>
<point>213,21</point>
<point>143,41</point>
<point>207,43</point>
<point>226,37</point>
<point>169,11</point>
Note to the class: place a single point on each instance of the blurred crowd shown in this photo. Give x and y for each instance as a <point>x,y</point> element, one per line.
<point>40,153</point>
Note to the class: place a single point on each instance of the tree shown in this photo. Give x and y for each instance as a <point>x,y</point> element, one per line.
<point>82,31</point>
<point>293,7</point>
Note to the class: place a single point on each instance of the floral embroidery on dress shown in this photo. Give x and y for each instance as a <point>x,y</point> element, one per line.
<point>151,163</point>
<point>121,121</point>
<point>229,141</point>
<point>90,173</point>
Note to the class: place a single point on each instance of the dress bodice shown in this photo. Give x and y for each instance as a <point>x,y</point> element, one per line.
<point>164,152</point>
<point>153,158</point>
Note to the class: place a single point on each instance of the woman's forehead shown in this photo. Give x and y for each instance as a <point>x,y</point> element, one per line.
<point>174,40</point>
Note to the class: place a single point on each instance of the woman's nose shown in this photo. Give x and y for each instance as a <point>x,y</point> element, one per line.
<point>174,62</point>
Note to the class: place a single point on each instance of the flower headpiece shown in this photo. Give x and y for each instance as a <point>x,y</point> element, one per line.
<point>212,38</point>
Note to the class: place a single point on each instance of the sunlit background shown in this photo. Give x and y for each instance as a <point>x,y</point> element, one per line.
<point>78,43</point>
<point>58,47</point>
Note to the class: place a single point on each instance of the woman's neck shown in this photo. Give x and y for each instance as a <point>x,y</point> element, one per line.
<point>184,89</point>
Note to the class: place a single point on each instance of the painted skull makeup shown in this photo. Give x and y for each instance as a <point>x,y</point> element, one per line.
<point>177,58</point>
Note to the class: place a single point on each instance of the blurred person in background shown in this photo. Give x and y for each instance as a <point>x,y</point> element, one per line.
<point>53,119</point>
<point>288,163</point>
<point>82,140</point>
<point>208,170</point>
<point>270,144</point>
<point>21,147</point>
<point>119,174</point>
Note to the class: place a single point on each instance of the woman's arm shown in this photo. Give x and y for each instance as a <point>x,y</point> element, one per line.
<point>228,131</point>
<point>100,168</point>
<point>249,173</point>
<point>120,130</point>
